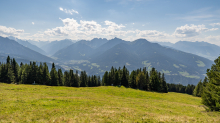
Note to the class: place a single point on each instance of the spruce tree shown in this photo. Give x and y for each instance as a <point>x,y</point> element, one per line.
<point>105,79</point>
<point>54,76</point>
<point>140,80</point>
<point>211,93</point>
<point>60,77</point>
<point>116,81</point>
<point>164,84</point>
<point>124,78</point>
<point>154,80</point>
<point>66,79</point>
<point>132,79</point>
<point>46,75</point>
<point>198,90</point>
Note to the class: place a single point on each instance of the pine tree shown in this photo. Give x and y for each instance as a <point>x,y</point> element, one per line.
<point>198,90</point>
<point>83,79</point>
<point>164,84</point>
<point>140,80</point>
<point>124,78</point>
<point>147,85</point>
<point>116,81</point>
<point>211,93</point>
<point>105,79</point>
<point>46,75</point>
<point>54,76</point>
<point>77,82</point>
<point>60,78</point>
<point>15,68</point>
<point>154,80</point>
<point>72,79</point>
<point>66,79</point>
<point>132,79</point>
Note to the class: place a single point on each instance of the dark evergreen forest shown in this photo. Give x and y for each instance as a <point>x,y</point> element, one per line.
<point>12,72</point>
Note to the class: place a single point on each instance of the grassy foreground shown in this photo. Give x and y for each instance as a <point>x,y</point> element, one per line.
<point>38,103</point>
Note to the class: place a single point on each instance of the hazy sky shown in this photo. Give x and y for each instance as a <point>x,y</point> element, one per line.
<point>154,20</point>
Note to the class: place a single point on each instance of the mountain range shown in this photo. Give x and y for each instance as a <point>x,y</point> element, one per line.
<point>204,49</point>
<point>99,55</point>
<point>178,66</point>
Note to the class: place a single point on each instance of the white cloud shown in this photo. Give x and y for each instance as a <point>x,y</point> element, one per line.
<point>78,30</point>
<point>61,9</point>
<point>69,11</point>
<point>150,33</point>
<point>189,31</point>
<point>215,24</point>
<point>33,23</point>
<point>8,31</point>
<point>213,29</point>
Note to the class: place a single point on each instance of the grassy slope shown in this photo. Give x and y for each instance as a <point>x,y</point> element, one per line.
<point>37,103</point>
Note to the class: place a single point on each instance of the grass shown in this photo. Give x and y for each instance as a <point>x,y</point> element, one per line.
<point>186,74</point>
<point>200,64</point>
<point>38,103</point>
<point>176,66</point>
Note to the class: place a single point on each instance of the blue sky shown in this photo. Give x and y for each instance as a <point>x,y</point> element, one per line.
<point>154,20</point>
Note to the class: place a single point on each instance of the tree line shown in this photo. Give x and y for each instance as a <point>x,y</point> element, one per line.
<point>40,74</point>
<point>138,79</point>
<point>179,88</point>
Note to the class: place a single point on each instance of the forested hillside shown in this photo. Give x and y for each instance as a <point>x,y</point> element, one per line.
<point>178,66</point>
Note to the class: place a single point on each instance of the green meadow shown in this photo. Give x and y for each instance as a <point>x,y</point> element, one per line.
<point>40,103</point>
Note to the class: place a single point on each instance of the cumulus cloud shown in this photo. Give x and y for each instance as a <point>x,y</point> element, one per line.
<point>213,29</point>
<point>189,31</point>
<point>86,28</point>
<point>69,11</point>
<point>33,23</point>
<point>215,24</point>
<point>150,33</point>
<point>83,29</point>
<point>8,31</point>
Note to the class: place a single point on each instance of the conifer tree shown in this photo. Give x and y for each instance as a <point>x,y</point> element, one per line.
<point>77,82</point>
<point>72,79</point>
<point>66,78</point>
<point>46,75</point>
<point>154,80</point>
<point>147,85</point>
<point>140,80</point>
<point>54,76</point>
<point>105,79</point>
<point>116,81</point>
<point>211,93</point>
<point>164,87</point>
<point>198,90</point>
<point>60,77</point>
<point>132,79</point>
<point>124,78</point>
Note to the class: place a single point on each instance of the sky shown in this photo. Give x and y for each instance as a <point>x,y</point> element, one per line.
<point>154,20</point>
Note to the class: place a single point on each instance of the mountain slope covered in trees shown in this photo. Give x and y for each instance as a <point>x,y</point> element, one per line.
<point>178,66</point>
